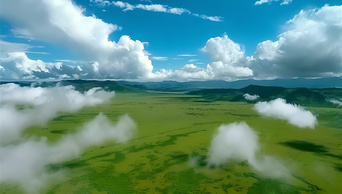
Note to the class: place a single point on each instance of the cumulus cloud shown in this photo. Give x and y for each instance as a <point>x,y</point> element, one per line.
<point>251,97</point>
<point>63,22</point>
<point>229,61</point>
<point>189,72</point>
<point>284,2</point>
<point>17,66</point>
<point>309,47</point>
<point>238,142</point>
<point>40,106</point>
<point>294,114</point>
<point>27,163</point>
<point>155,8</point>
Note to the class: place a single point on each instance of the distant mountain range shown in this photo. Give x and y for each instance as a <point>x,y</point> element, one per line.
<point>306,92</point>
<point>334,82</point>
<point>302,96</point>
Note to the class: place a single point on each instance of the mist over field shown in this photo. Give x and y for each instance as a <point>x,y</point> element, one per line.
<point>237,142</point>
<point>39,105</point>
<point>337,102</point>
<point>25,160</point>
<point>251,97</point>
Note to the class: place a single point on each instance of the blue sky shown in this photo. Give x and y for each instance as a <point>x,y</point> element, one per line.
<point>172,42</point>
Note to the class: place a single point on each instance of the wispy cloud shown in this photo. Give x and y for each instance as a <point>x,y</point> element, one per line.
<point>192,60</point>
<point>73,61</point>
<point>337,102</point>
<point>186,55</point>
<point>159,58</point>
<point>284,2</point>
<point>211,18</point>
<point>7,47</point>
<point>155,8</point>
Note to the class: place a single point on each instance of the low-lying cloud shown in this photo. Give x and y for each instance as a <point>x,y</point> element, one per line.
<point>238,142</point>
<point>251,97</point>
<point>26,163</point>
<point>40,105</point>
<point>294,114</point>
<point>25,160</point>
<point>337,102</point>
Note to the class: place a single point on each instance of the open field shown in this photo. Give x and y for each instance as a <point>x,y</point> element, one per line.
<point>168,151</point>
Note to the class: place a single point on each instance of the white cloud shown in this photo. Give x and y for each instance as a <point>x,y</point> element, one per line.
<point>46,104</point>
<point>186,55</point>
<point>294,114</point>
<point>251,97</point>
<point>337,102</point>
<point>7,47</point>
<point>189,72</point>
<point>224,49</point>
<point>72,61</point>
<point>211,18</point>
<point>159,58</point>
<point>178,11</point>
<point>310,47</point>
<point>27,163</point>
<point>152,7</point>
<point>215,71</point>
<point>25,160</point>
<point>238,142</point>
<point>192,60</point>
<point>17,66</point>
<point>229,61</point>
<point>284,2</point>
<point>157,8</point>
<point>63,22</point>
<point>230,72</point>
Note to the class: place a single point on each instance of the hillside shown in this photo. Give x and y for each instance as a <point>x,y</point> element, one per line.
<point>302,96</point>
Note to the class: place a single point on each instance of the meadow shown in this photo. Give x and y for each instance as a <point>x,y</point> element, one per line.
<point>168,153</point>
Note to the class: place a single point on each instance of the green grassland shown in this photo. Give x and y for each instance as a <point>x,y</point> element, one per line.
<point>168,152</point>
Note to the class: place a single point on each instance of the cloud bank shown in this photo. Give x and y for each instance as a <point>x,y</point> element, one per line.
<point>294,114</point>
<point>238,142</point>
<point>25,160</point>
<point>251,97</point>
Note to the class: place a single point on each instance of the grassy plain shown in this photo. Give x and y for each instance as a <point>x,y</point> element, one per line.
<point>168,152</point>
